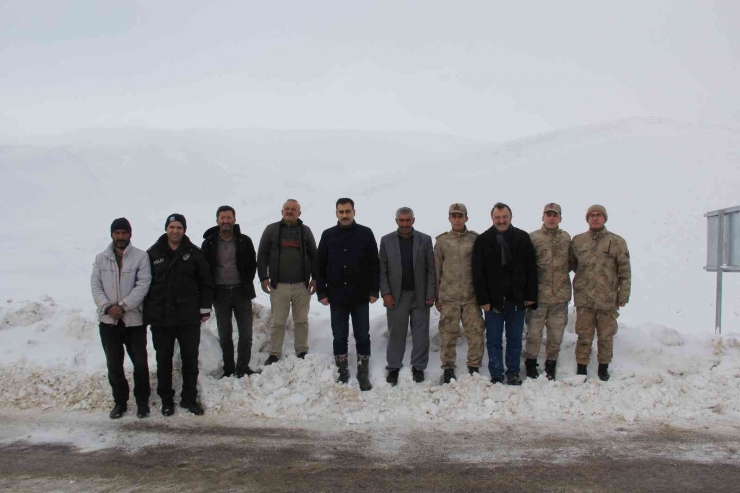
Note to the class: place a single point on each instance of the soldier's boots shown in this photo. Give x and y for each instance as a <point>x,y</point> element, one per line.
<point>582,370</point>
<point>272,359</point>
<point>473,369</point>
<point>448,375</point>
<point>392,377</point>
<point>531,365</point>
<point>604,371</point>
<point>550,365</point>
<point>363,372</point>
<point>513,379</point>
<point>342,368</point>
<point>417,374</point>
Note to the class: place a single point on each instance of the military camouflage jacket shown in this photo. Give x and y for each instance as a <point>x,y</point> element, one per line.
<point>453,257</point>
<point>601,261</point>
<point>553,270</point>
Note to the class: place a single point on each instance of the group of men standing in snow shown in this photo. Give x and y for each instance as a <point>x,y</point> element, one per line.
<point>494,282</point>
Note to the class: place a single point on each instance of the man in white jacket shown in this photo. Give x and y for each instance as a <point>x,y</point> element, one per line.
<point>120,281</point>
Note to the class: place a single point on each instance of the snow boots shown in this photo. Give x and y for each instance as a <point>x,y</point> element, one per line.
<point>582,370</point>
<point>531,365</point>
<point>603,371</point>
<point>550,365</point>
<point>513,379</point>
<point>342,368</point>
<point>448,375</point>
<point>363,372</point>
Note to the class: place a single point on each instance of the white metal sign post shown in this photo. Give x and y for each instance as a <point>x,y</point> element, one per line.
<point>723,250</point>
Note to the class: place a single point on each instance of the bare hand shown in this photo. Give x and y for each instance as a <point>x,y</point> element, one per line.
<point>486,307</point>
<point>528,303</point>
<point>312,287</point>
<point>265,286</point>
<point>622,304</point>
<point>204,317</point>
<point>388,301</point>
<point>324,301</point>
<point>115,312</point>
<point>438,306</point>
<point>373,299</point>
<point>430,302</point>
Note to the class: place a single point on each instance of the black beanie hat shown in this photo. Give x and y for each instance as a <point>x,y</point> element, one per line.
<point>120,223</point>
<point>176,217</point>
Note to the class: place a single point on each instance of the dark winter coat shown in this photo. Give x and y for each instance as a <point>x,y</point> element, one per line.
<point>181,284</point>
<point>488,270</point>
<point>245,256</point>
<point>347,266</point>
<point>268,254</point>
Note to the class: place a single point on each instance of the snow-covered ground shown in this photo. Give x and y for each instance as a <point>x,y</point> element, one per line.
<point>656,178</point>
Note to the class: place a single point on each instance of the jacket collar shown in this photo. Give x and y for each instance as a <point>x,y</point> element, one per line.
<point>186,244</point>
<point>555,231</point>
<point>597,235</point>
<point>213,231</point>
<point>455,234</point>
<point>110,252</point>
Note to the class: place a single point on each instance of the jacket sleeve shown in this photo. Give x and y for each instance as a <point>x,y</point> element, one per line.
<point>141,288</point>
<point>530,269</point>
<point>263,254</point>
<point>374,265</point>
<point>320,268</point>
<point>311,251</point>
<point>98,293</point>
<point>250,265</point>
<point>205,284</point>
<point>478,265</point>
<point>572,259</point>
<point>431,273</point>
<point>385,285</point>
<point>624,272</point>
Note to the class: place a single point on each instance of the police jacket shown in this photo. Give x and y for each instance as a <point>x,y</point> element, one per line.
<point>245,256</point>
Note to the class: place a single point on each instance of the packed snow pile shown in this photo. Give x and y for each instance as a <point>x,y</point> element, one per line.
<point>52,358</point>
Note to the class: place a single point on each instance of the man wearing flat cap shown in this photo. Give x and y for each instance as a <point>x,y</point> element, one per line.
<point>601,286</point>
<point>179,300</point>
<point>552,246</point>
<point>120,281</point>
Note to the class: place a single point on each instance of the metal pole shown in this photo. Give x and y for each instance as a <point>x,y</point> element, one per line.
<point>720,263</point>
<point>718,315</point>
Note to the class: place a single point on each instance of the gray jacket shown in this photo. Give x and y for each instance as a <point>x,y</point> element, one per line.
<point>129,289</point>
<point>391,268</point>
<point>268,253</point>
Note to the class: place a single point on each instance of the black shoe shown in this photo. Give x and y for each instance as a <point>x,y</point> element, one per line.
<point>302,355</point>
<point>550,369</point>
<point>272,359</point>
<point>249,372</point>
<point>582,370</point>
<point>531,365</point>
<point>604,372</point>
<point>448,375</point>
<point>418,375</point>
<point>392,377</point>
<point>363,372</point>
<point>168,408</point>
<point>226,374</point>
<point>495,380</point>
<point>117,411</point>
<point>142,410</point>
<point>473,369</point>
<point>192,407</point>
<point>513,379</point>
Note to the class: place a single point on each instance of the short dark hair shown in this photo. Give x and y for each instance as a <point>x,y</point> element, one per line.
<point>225,208</point>
<point>501,205</point>
<point>345,200</point>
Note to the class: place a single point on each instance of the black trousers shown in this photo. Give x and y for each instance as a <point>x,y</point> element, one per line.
<point>360,315</point>
<point>114,339</point>
<point>188,337</point>
<point>228,300</point>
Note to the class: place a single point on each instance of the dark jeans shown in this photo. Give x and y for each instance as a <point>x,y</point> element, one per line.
<point>228,300</point>
<point>164,337</point>
<point>114,338</point>
<point>510,320</point>
<point>360,327</point>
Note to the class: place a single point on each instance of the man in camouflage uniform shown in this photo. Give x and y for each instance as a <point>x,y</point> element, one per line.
<point>453,254</point>
<point>601,285</point>
<point>551,245</point>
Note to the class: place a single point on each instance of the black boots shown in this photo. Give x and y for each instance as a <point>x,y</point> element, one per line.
<point>168,408</point>
<point>272,359</point>
<point>417,374</point>
<point>472,369</point>
<point>341,361</point>
<point>513,379</point>
<point>192,407</point>
<point>117,411</point>
<point>392,377</point>
<point>142,410</point>
<point>448,375</point>
<point>582,370</point>
<point>531,365</point>
<point>363,372</point>
<point>603,371</point>
<point>550,369</point>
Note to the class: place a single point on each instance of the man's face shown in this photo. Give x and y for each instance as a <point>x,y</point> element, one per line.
<point>458,220</point>
<point>225,221</point>
<point>345,214</point>
<point>405,223</point>
<point>292,211</point>
<point>551,219</point>
<point>596,220</point>
<point>175,232</point>
<point>121,238</point>
<point>501,219</point>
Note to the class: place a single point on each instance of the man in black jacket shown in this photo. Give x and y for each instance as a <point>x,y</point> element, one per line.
<point>505,281</point>
<point>347,277</point>
<point>230,255</point>
<point>285,262</point>
<point>179,300</point>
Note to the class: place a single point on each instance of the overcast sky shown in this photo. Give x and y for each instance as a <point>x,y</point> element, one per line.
<point>488,70</point>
